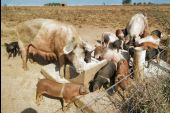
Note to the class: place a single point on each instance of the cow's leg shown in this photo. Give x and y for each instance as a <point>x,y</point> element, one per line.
<point>61,65</point>
<point>23,54</point>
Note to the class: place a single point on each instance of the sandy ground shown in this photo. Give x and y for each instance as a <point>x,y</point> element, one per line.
<point>19,86</point>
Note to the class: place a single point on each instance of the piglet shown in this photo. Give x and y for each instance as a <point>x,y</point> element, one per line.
<point>122,73</point>
<point>103,77</point>
<point>66,92</point>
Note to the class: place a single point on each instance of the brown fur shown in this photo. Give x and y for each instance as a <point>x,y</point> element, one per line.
<point>98,50</point>
<point>52,88</point>
<point>120,31</point>
<point>147,45</point>
<point>46,55</point>
<point>122,72</point>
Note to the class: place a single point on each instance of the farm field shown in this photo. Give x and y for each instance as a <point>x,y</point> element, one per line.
<point>18,87</point>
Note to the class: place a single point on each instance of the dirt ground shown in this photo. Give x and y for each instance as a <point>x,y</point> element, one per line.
<point>18,87</point>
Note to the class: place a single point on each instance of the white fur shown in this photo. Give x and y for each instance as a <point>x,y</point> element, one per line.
<point>113,55</point>
<point>112,37</point>
<point>137,25</point>
<point>149,39</point>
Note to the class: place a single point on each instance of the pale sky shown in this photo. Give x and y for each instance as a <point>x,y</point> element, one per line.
<point>74,2</point>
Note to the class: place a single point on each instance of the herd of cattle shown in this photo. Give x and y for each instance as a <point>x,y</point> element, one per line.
<point>62,43</point>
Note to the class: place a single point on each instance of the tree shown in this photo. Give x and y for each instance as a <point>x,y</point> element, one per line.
<point>126,1</point>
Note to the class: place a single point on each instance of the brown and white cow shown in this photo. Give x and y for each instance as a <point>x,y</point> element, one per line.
<point>52,39</point>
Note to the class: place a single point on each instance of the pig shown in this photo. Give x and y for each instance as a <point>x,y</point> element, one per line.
<point>122,72</point>
<point>107,38</point>
<point>103,77</point>
<point>52,39</point>
<point>66,92</point>
<point>136,27</point>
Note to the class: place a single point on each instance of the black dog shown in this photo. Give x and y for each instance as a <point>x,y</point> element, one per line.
<point>103,77</point>
<point>12,49</point>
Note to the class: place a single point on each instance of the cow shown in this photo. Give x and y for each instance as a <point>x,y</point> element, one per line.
<point>137,25</point>
<point>66,92</point>
<point>53,39</point>
<point>12,49</point>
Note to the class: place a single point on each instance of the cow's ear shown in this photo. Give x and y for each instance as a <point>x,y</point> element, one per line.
<point>68,48</point>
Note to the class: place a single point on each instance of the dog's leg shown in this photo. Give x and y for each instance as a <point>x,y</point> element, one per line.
<point>10,54</point>
<point>14,52</point>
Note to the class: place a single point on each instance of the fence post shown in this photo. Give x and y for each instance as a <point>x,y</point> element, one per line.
<point>168,50</point>
<point>139,61</point>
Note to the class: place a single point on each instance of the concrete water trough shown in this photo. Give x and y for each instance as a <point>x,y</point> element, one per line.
<point>51,72</point>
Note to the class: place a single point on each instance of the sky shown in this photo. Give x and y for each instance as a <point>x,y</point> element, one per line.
<point>73,2</point>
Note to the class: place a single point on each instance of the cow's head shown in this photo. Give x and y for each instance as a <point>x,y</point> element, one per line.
<point>75,52</point>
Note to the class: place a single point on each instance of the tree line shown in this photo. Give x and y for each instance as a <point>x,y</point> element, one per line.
<point>124,2</point>
<point>55,4</point>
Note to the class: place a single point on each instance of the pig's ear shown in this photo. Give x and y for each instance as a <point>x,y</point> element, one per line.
<point>68,48</point>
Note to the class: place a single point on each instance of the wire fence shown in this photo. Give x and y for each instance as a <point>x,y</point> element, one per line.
<point>104,94</point>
